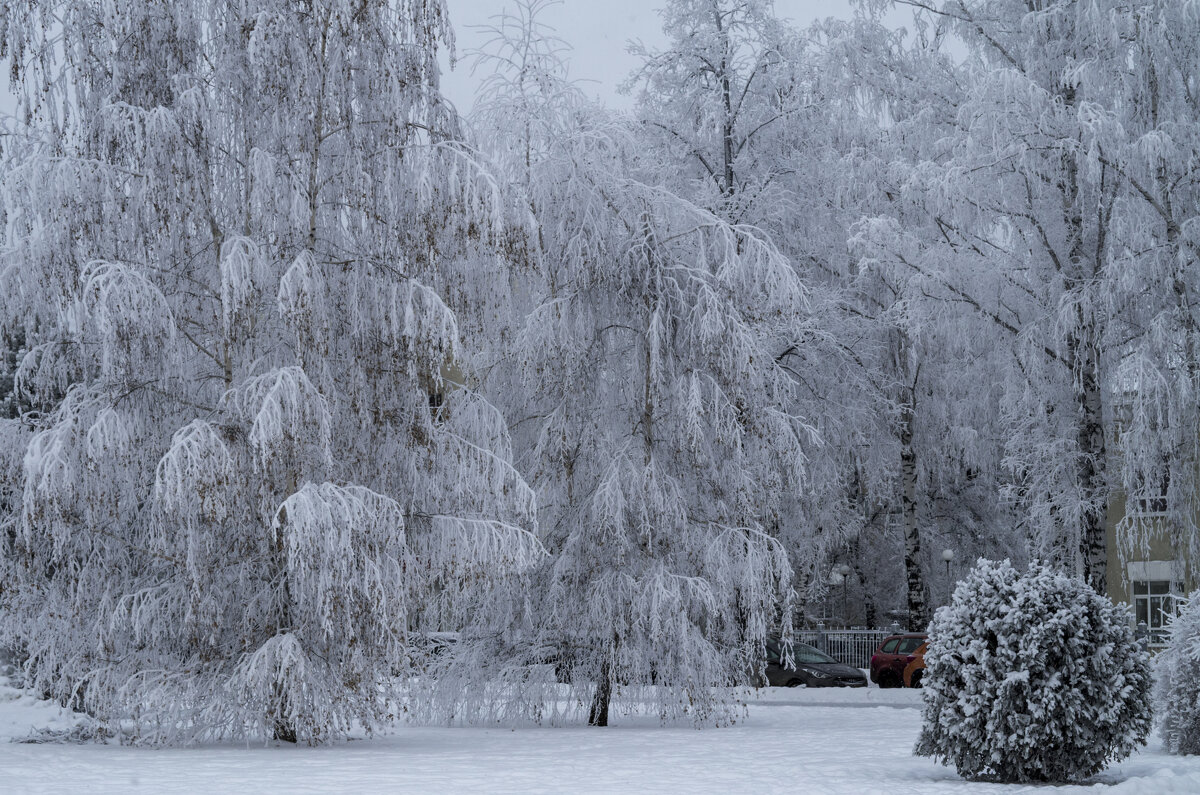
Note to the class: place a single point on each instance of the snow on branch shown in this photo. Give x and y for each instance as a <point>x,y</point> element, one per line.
<point>346,553</point>
<point>51,469</point>
<point>189,478</point>
<point>241,272</point>
<point>300,298</point>
<point>48,370</point>
<point>419,325</point>
<point>475,441</point>
<point>454,170</point>
<point>134,320</point>
<point>285,411</point>
<point>464,547</point>
<point>282,690</point>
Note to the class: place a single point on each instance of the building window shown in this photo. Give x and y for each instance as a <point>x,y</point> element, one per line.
<point>1150,496</point>
<point>436,400</point>
<point>1154,606</point>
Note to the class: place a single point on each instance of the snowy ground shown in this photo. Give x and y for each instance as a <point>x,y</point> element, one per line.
<point>794,741</point>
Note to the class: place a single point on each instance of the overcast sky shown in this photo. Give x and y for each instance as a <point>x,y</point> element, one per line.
<point>598,32</point>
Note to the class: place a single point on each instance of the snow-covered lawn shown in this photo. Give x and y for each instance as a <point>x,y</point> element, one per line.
<point>794,741</point>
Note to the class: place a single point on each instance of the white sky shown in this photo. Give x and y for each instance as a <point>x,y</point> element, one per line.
<point>598,32</point>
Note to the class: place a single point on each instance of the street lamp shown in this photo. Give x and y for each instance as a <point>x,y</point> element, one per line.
<point>835,579</point>
<point>947,555</point>
<point>843,572</point>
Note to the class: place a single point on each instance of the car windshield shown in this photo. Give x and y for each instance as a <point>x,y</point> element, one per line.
<point>808,655</point>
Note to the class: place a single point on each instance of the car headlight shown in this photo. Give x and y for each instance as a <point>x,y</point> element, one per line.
<point>817,674</point>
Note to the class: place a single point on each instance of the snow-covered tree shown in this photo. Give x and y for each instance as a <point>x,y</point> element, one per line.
<point>1061,224</point>
<point>925,455</point>
<point>243,477</point>
<point>1177,682</point>
<point>1148,142</point>
<point>652,419</point>
<point>665,451</point>
<point>715,97</point>
<point>1032,677</point>
<point>767,130</point>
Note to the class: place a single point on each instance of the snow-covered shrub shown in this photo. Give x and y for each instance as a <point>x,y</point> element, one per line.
<point>1177,682</point>
<point>1032,677</point>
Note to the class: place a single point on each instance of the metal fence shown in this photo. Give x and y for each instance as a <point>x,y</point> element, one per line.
<point>850,646</point>
<point>855,646</point>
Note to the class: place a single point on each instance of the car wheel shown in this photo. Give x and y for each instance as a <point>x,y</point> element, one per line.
<point>916,678</point>
<point>795,683</point>
<point>889,680</point>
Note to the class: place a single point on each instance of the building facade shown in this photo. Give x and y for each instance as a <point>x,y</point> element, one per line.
<point>1149,577</point>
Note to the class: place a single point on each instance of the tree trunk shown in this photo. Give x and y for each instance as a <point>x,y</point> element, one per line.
<point>282,728</point>
<point>598,714</point>
<point>869,611</point>
<point>728,120</point>
<point>918,604</point>
<point>1083,360</point>
<point>1093,543</point>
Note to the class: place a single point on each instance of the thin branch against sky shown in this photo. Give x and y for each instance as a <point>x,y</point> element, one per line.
<point>599,34</point>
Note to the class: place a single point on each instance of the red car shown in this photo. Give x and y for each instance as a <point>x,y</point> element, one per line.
<point>893,656</point>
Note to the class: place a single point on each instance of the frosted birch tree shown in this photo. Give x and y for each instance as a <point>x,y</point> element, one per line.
<point>1025,197</point>
<point>1117,77</point>
<point>244,478</point>
<point>925,462</point>
<point>763,132</point>
<point>665,451</point>
<point>1148,142</point>
<point>719,97</point>
<point>646,408</point>
<point>1043,204</point>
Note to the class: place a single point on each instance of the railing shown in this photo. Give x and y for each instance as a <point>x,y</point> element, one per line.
<point>850,646</point>
<point>855,646</point>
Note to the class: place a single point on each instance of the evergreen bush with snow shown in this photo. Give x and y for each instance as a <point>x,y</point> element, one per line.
<point>1032,677</point>
<point>1177,682</point>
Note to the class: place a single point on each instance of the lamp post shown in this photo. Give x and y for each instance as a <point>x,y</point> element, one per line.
<point>948,556</point>
<point>835,579</point>
<point>843,572</point>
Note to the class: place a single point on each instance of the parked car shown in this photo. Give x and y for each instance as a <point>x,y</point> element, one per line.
<point>810,667</point>
<point>914,672</point>
<point>893,656</point>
